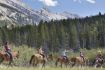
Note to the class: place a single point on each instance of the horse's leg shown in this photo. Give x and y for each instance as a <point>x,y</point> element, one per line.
<point>81,65</point>
<point>101,67</point>
<point>10,63</point>
<point>1,60</point>
<point>95,65</point>
<point>56,63</point>
<point>73,64</point>
<point>43,63</point>
<point>35,62</point>
<point>61,63</point>
<point>67,62</point>
<point>85,63</point>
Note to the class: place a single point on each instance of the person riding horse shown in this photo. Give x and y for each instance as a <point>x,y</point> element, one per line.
<point>41,52</point>
<point>39,57</point>
<point>99,56</point>
<point>8,51</point>
<point>99,60</point>
<point>64,54</point>
<point>82,55</point>
<point>63,59</point>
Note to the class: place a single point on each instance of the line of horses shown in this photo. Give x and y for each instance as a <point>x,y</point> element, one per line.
<point>73,61</point>
<point>39,59</point>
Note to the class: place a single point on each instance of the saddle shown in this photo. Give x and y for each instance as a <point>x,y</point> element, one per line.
<point>99,59</point>
<point>83,59</point>
<point>7,55</point>
<point>42,55</point>
<point>64,57</point>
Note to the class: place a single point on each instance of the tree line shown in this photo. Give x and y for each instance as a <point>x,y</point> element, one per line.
<point>88,32</point>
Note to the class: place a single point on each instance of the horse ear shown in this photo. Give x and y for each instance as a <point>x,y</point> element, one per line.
<point>18,54</point>
<point>18,51</point>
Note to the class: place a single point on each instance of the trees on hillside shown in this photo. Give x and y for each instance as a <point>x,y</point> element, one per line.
<point>86,32</point>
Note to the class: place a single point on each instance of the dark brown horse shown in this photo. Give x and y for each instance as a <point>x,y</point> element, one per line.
<point>36,59</point>
<point>78,61</point>
<point>50,57</point>
<point>62,61</point>
<point>5,57</point>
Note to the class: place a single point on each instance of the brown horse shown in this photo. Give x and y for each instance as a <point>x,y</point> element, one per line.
<point>62,61</point>
<point>36,59</point>
<point>50,57</point>
<point>78,61</point>
<point>5,57</point>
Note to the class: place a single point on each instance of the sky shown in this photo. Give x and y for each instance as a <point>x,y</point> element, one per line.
<point>80,7</point>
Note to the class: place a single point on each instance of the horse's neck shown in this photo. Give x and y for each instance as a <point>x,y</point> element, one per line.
<point>2,52</point>
<point>14,54</point>
<point>78,57</point>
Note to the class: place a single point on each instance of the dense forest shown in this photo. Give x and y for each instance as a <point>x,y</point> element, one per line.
<point>88,32</point>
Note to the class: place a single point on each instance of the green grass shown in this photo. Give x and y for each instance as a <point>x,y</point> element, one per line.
<point>48,68</point>
<point>26,53</point>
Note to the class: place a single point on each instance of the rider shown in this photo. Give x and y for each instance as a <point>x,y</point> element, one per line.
<point>64,54</point>
<point>41,52</point>
<point>99,55</point>
<point>8,50</point>
<point>82,55</point>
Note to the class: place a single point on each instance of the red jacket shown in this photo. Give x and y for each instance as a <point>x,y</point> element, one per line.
<point>6,48</point>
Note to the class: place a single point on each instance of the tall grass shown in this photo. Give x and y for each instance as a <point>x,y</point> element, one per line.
<point>48,68</point>
<point>26,52</point>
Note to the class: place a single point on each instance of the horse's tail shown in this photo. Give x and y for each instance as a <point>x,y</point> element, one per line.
<point>31,58</point>
<point>2,58</point>
<point>56,63</point>
<point>73,61</point>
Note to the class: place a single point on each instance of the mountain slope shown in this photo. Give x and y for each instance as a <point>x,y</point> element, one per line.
<point>17,13</point>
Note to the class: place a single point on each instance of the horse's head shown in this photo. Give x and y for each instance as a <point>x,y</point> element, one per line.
<point>16,54</point>
<point>2,54</point>
<point>50,57</point>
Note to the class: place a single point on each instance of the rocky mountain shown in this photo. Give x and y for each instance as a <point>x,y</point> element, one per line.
<point>16,12</point>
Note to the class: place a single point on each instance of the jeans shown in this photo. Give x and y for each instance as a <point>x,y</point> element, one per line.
<point>10,55</point>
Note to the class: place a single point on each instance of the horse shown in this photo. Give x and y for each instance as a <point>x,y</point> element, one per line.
<point>5,57</point>
<point>36,59</point>
<point>78,61</point>
<point>98,62</point>
<point>62,61</point>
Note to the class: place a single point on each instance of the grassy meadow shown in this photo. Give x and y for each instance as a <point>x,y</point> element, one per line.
<point>25,53</point>
<point>48,68</point>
